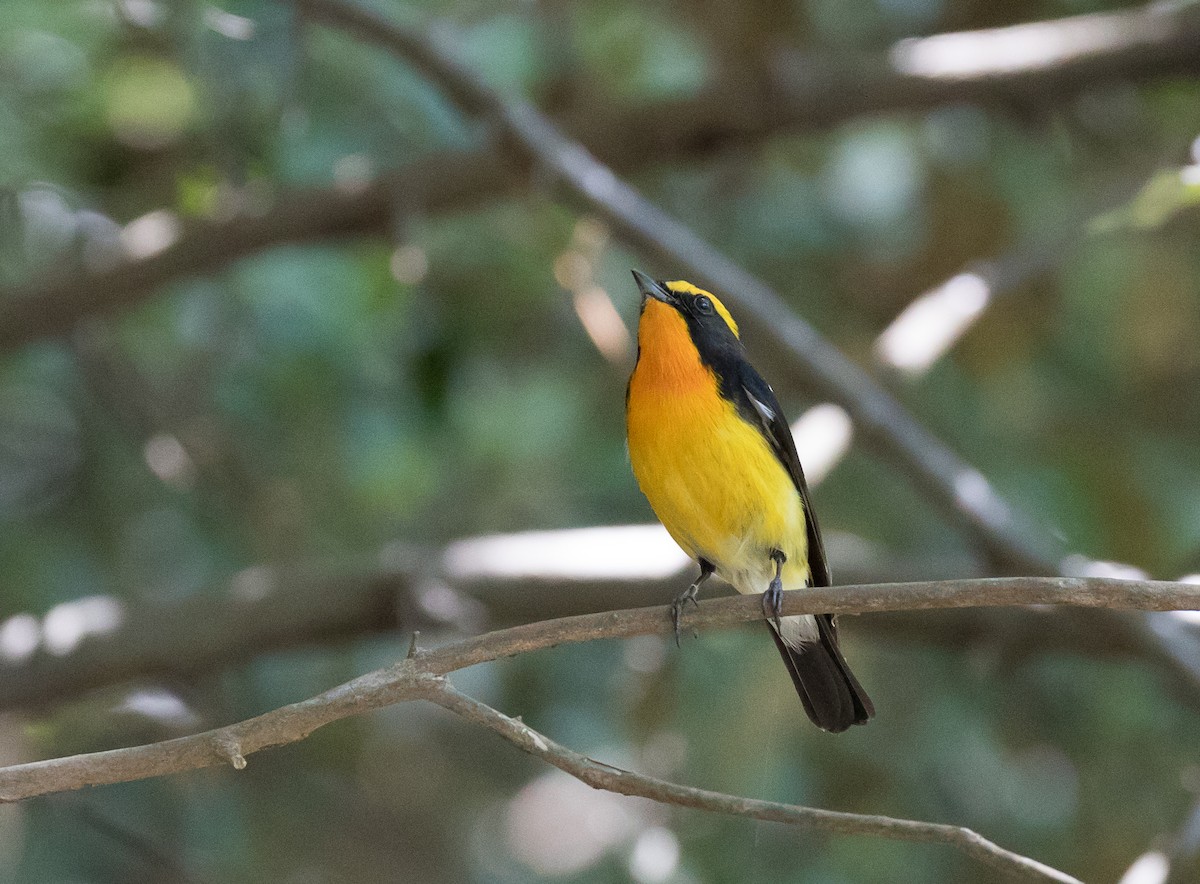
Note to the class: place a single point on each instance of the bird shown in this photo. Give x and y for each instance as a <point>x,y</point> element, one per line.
<point>713,454</point>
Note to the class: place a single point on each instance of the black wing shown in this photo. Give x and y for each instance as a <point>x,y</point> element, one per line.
<point>758,405</point>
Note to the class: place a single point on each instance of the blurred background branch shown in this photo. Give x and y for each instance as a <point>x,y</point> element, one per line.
<point>807,92</point>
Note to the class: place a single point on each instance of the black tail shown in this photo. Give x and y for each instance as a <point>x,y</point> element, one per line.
<point>831,694</point>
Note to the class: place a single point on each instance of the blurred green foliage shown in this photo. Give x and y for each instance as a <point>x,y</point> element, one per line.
<point>317,403</point>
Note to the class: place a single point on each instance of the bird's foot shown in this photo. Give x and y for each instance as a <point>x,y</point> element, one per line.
<point>772,600</point>
<point>688,595</point>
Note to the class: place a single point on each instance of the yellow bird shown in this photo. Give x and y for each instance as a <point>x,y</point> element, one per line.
<point>713,454</point>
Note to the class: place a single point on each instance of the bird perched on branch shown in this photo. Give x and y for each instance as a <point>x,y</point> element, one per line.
<point>714,455</point>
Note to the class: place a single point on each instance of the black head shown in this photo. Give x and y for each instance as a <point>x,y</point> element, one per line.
<point>707,319</point>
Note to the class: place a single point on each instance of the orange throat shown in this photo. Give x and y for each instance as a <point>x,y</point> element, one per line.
<point>667,360</point>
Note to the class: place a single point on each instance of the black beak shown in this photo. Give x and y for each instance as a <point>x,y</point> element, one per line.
<point>652,289</point>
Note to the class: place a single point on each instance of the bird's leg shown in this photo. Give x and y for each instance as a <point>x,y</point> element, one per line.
<point>689,595</point>
<point>772,601</point>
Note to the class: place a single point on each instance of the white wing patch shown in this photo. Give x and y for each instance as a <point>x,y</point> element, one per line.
<point>765,414</point>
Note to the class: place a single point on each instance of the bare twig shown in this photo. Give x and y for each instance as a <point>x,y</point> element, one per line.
<point>231,744</point>
<point>613,779</point>
<point>266,609</point>
<point>421,674</point>
<point>862,599</point>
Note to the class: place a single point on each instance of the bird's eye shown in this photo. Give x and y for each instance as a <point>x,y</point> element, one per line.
<point>704,305</point>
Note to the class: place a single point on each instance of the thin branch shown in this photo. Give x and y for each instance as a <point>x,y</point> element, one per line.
<point>861,599</point>
<point>420,677</point>
<point>267,609</point>
<point>406,680</point>
<point>613,779</point>
<point>812,91</point>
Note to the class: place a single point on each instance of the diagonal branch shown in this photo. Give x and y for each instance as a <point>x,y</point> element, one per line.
<point>613,779</point>
<point>383,687</point>
<point>961,492</point>
<point>812,91</point>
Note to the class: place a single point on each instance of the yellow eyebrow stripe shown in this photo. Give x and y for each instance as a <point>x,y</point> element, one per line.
<point>683,287</point>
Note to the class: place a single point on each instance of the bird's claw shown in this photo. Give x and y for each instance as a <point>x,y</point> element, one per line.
<point>688,595</point>
<point>772,601</point>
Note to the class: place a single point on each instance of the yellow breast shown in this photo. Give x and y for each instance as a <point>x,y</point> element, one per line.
<point>710,476</point>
